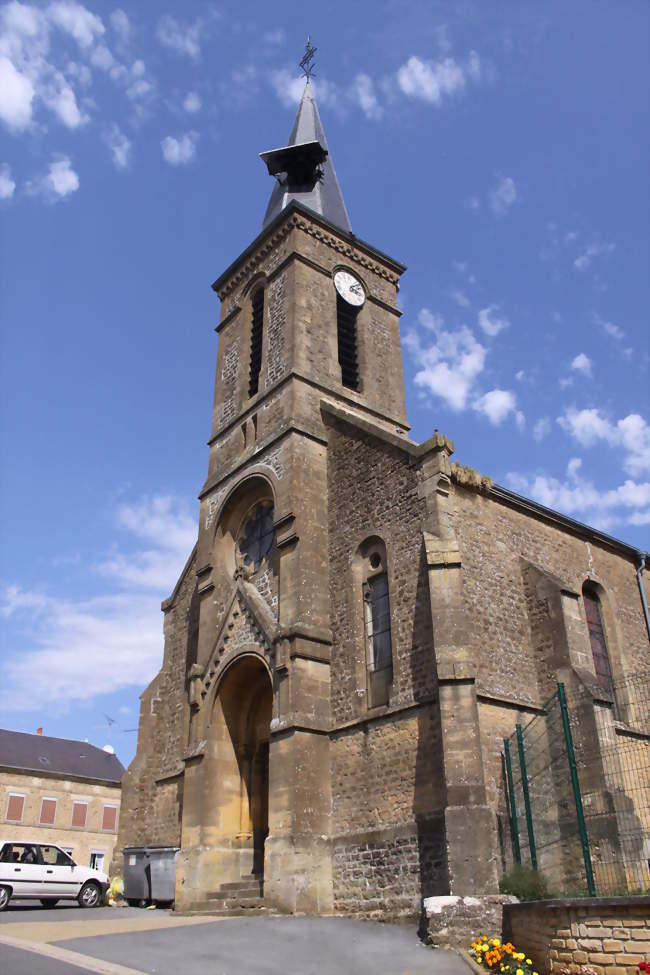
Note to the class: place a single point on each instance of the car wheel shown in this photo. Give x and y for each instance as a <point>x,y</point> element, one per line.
<point>49,901</point>
<point>5,895</point>
<point>89,895</point>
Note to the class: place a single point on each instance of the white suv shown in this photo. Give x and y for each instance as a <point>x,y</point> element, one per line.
<point>41,871</point>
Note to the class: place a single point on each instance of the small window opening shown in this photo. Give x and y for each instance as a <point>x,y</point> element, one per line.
<point>257,329</point>
<point>598,642</point>
<point>243,434</point>
<point>346,321</point>
<point>254,427</point>
<point>380,651</point>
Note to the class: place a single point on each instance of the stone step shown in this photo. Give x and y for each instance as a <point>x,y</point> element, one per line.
<point>228,906</point>
<point>254,879</point>
<point>247,887</point>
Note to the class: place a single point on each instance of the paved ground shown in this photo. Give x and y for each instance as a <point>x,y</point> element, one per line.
<point>129,941</point>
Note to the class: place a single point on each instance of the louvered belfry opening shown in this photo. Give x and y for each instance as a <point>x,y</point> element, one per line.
<point>346,320</point>
<point>256,341</point>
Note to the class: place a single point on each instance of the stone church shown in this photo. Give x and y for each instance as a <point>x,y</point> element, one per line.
<point>362,622</point>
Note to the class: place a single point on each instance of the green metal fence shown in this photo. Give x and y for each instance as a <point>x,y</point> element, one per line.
<point>578,789</point>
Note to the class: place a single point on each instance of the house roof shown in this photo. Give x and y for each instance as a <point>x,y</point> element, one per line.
<point>58,756</point>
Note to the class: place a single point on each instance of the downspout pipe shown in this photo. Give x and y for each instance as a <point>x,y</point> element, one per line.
<point>639,573</point>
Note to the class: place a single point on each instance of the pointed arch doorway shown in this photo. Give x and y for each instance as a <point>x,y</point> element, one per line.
<point>240,750</point>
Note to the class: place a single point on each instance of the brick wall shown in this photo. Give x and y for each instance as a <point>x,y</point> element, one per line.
<point>611,935</point>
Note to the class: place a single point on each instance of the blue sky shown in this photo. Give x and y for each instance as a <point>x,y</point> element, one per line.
<point>500,150</point>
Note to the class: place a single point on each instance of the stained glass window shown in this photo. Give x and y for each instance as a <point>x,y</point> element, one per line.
<point>257,536</point>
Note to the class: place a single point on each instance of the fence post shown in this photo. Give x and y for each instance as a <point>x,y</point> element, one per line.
<point>524,786</point>
<point>513,805</point>
<point>582,826</point>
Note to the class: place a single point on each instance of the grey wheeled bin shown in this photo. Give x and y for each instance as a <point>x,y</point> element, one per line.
<point>162,873</point>
<point>136,880</point>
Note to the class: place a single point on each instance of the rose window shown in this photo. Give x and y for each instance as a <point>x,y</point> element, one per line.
<point>257,535</point>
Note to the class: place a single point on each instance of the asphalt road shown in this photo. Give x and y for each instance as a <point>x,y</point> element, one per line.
<point>13,961</point>
<point>231,946</point>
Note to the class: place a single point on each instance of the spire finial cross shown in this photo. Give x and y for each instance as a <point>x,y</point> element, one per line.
<point>307,58</point>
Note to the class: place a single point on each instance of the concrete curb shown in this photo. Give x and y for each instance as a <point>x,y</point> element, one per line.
<point>71,957</point>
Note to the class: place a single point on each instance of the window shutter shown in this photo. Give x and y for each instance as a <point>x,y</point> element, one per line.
<point>15,808</point>
<point>79,813</point>
<point>109,819</point>
<point>48,812</point>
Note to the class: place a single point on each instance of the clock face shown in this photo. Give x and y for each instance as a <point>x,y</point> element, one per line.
<point>349,288</point>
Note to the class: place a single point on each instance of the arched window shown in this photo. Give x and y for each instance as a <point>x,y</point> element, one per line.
<point>376,611</point>
<point>257,331</point>
<point>598,641</point>
<point>346,325</point>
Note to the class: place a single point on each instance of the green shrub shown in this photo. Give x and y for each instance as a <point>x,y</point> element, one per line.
<point>525,883</point>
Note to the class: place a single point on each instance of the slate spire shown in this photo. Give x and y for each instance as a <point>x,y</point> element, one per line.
<point>304,169</point>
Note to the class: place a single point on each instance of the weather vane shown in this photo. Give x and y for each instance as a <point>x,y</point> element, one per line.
<point>307,58</point>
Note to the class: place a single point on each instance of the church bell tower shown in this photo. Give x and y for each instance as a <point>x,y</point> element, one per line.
<point>309,323</point>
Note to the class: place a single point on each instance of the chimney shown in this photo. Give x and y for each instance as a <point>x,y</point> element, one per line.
<point>39,731</point>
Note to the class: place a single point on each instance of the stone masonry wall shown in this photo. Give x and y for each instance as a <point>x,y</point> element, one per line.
<point>387,787</point>
<point>152,786</point>
<point>494,538</point>
<point>610,935</point>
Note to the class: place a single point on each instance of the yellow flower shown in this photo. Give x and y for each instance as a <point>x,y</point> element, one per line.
<point>528,961</point>
<point>519,971</point>
<point>495,942</point>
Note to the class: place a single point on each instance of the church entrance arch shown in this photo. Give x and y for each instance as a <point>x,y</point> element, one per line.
<point>239,739</point>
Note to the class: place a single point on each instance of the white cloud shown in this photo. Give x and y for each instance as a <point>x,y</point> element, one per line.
<point>578,496</point>
<point>596,249</point>
<point>7,185</point>
<point>16,96</point>
<point>614,331</point>
<point>180,37</point>
<point>77,21</point>
<point>118,635</point>
<point>139,88</point>
<point>61,99</point>
<point>192,102</point>
<point>489,322</point>
<point>102,58</point>
<point>451,365</point>
<point>431,81</point>
<point>287,87</point>
<point>497,404</point>
<point>503,196</point>
<point>460,298</point>
<point>59,182</point>
<point>631,435</point>
<point>363,93</point>
<point>27,76</point>
<point>121,24</point>
<point>582,363</point>
<point>179,151</point>
<point>542,428</point>
<point>274,37</point>
<point>119,145</point>
<point>62,178</point>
